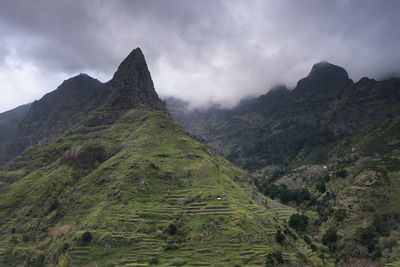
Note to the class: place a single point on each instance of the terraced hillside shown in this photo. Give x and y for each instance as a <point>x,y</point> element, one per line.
<point>156,195</point>
<point>128,187</point>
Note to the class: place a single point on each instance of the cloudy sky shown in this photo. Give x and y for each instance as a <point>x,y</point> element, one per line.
<point>208,51</point>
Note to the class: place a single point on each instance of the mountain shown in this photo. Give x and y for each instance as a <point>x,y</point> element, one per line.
<point>125,185</point>
<point>55,113</point>
<point>9,121</point>
<point>303,123</point>
<point>77,98</point>
<point>329,148</point>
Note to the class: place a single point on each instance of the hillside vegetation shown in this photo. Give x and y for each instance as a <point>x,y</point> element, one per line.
<point>126,186</point>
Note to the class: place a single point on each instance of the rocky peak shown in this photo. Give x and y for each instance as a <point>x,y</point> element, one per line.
<point>325,69</point>
<point>324,78</point>
<point>132,85</point>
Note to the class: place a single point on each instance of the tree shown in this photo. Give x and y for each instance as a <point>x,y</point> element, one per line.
<point>279,236</point>
<point>171,229</point>
<point>298,222</point>
<point>320,187</point>
<point>86,237</point>
<point>330,236</point>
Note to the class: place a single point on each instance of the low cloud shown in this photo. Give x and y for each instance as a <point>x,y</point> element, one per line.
<point>201,51</point>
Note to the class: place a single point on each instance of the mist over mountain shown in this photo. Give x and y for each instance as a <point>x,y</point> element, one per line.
<point>326,103</point>
<point>208,52</point>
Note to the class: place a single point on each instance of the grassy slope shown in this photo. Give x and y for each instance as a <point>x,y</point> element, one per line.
<point>152,175</point>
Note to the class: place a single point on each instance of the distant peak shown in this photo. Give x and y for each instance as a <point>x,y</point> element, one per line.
<point>365,80</point>
<point>325,68</point>
<point>324,77</point>
<point>82,77</point>
<point>279,88</point>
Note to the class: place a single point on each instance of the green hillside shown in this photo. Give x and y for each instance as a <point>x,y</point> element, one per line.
<point>128,187</point>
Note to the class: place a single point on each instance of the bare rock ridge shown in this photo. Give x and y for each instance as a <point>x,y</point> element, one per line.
<point>132,85</point>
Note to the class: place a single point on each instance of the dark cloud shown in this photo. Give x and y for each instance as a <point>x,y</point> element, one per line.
<point>202,51</point>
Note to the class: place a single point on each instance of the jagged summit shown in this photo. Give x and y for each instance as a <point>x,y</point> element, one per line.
<point>131,62</point>
<point>132,85</point>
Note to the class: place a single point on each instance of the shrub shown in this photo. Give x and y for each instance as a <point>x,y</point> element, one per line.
<point>330,236</point>
<point>320,187</point>
<point>340,215</point>
<point>313,247</point>
<point>65,247</point>
<point>367,237</point>
<point>53,206</point>
<point>307,239</point>
<point>25,238</point>
<point>341,174</point>
<point>274,258</point>
<point>172,229</point>
<point>86,237</point>
<point>280,237</point>
<point>298,222</point>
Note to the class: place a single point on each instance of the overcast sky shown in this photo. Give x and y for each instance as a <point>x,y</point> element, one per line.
<point>202,51</point>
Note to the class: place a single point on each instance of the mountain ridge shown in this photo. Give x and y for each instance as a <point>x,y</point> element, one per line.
<point>334,104</point>
<point>79,97</point>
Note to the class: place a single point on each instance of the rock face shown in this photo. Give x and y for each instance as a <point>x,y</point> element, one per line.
<point>132,85</point>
